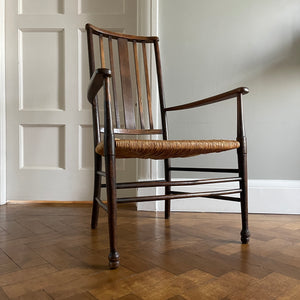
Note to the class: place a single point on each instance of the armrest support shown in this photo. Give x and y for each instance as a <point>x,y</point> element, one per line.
<point>210,100</point>
<point>96,82</point>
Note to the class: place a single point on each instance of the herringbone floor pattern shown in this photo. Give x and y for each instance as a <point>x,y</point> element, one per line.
<point>50,252</point>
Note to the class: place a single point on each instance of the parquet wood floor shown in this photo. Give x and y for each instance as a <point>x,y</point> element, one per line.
<point>50,252</point>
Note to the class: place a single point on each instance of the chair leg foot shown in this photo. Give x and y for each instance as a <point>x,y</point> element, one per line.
<point>114,259</point>
<point>245,236</point>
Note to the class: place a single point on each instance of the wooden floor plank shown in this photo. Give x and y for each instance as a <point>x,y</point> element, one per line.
<point>98,279</point>
<point>58,257</point>
<point>50,252</point>
<point>26,274</point>
<point>38,295</point>
<point>46,281</point>
<point>3,296</point>
<point>270,287</point>
<point>291,294</point>
<point>82,296</point>
<point>23,256</point>
<point>130,297</point>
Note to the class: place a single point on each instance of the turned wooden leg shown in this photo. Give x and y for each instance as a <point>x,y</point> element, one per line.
<point>167,189</point>
<point>114,256</point>
<point>97,190</point>
<point>242,158</point>
<point>245,234</point>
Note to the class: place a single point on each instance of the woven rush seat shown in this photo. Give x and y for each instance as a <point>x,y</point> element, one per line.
<point>162,149</point>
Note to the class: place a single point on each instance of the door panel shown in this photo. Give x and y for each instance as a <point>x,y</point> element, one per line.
<point>49,133</point>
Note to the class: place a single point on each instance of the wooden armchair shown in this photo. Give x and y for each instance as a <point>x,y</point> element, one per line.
<point>126,57</point>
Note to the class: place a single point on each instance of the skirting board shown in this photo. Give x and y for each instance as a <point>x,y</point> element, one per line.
<point>265,196</point>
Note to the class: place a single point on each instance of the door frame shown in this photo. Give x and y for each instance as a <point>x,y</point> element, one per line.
<point>2,106</point>
<point>146,170</point>
<point>147,22</point>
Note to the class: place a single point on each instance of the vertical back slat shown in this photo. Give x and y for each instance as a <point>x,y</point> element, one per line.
<point>101,47</point>
<point>147,86</point>
<point>138,84</point>
<point>114,90</point>
<point>126,84</point>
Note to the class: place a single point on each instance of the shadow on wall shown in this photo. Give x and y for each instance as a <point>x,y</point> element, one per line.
<point>272,117</point>
<point>249,43</point>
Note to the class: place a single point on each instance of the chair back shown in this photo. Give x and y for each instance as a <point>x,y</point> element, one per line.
<point>129,58</point>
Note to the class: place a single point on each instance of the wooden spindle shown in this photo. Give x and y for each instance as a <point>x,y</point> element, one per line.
<point>102,57</point>
<point>147,86</point>
<point>114,90</point>
<point>129,112</point>
<point>138,84</point>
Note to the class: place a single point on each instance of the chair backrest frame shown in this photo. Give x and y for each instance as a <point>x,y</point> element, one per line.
<point>133,124</point>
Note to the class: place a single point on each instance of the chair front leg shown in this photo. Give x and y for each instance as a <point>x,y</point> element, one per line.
<point>110,165</point>
<point>167,189</point>
<point>242,161</point>
<point>110,169</point>
<point>97,191</point>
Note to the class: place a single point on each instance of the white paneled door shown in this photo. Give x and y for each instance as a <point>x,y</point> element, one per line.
<point>49,133</point>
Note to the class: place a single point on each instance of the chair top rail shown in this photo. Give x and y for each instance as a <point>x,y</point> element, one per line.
<point>114,35</point>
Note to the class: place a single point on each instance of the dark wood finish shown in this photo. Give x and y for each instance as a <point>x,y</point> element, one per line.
<point>221,97</point>
<point>219,197</point>
<point>167,164</point>
<point>167,189</point>
<point>112,67</point>
<point>97,191</point>
<point>102,205</point>
<point>242,162</point>
<point>110,166</point>
<point>161,94</point>
<point>153,183</point>
<point>138,85</point>
<point>94,87</point>
<point>126,84</point>
<point>49,252</point>
<point>102,56</point>
<point>116,35</point>
<point>147,85</point>
<point>133,91</point>
<point>96,83</point>
<point>212,170</point>
<point>179,196</point>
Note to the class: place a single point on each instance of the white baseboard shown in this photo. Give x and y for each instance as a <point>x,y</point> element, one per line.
<point>265,196</point>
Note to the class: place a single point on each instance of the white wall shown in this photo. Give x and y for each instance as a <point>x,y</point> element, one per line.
<point>208,47</point>
<point>212,46</point>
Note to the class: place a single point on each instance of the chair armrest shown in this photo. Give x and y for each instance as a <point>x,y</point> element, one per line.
<point>210,100</point>
<point>96,82</point>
